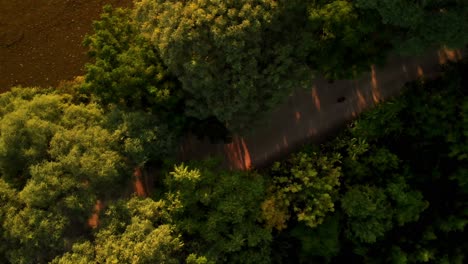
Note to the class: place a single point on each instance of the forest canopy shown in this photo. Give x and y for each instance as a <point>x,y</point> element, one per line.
<point>390,188</point>
<point>234,61</point>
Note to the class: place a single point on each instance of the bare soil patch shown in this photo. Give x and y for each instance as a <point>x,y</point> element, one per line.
<point>40,40</point>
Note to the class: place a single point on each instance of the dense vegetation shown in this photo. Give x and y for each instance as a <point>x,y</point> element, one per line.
<point>391,188</point>
<point>233,61</point>
<point>403,176</point>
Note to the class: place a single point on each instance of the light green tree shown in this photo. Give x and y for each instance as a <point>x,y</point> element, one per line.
<point>132,233</point>
<point>8,206</point>
<point>58,158</point>
<point>219,212</point>
<point>305,187</point>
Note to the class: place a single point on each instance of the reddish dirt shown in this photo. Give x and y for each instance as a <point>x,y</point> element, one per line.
<point>93,221</point>
<point>40,40</point>
<point>139,184</point>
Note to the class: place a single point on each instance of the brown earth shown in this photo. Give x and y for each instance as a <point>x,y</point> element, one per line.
<point>40,40</point>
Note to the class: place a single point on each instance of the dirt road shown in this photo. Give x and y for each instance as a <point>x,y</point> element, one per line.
<point>313,114</point>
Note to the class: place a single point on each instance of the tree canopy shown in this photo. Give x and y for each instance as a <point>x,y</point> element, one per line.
<point>403,169</point>
<point>422,24</point>
<point>57,158</point>
<point>229,65</point>
<point>218,212</point>
<point>234,61</point>
<point>390,188</point>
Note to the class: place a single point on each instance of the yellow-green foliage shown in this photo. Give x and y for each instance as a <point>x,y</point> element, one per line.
<point>305,186</point>
<point>220,211</point>
<point>58,157</point>
<point>132,233</point>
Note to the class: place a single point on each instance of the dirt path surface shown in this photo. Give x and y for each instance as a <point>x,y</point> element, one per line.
<point>312,115</point>
<point>40,40</point>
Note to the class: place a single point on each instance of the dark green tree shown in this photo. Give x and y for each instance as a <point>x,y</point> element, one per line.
<point>369,213</point>
<point>229,63</point>
<point>414,154</point>
<point>341,41</point>
<point>422,24</point>
<point>319,244</point>
<point>127,70</point>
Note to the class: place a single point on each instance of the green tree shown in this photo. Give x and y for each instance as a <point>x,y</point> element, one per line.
<point>59,158</point>
<point>230,65</point>
<point>408,203</point>
<point>218,212</point>
<point>132,233</point>
<point>305,186</point>
<point>127,70</point>
<point>8,206</point>
<point>423,24</point>
<point>322,242</point>
<point>369,213</point>
<point>341,41</point>
<point>143,136</point>
<point>412,150</point>
<point>27,126</point>
<point>58,164</point>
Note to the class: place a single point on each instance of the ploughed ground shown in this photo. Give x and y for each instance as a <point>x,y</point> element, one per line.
<point>41,40</point>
